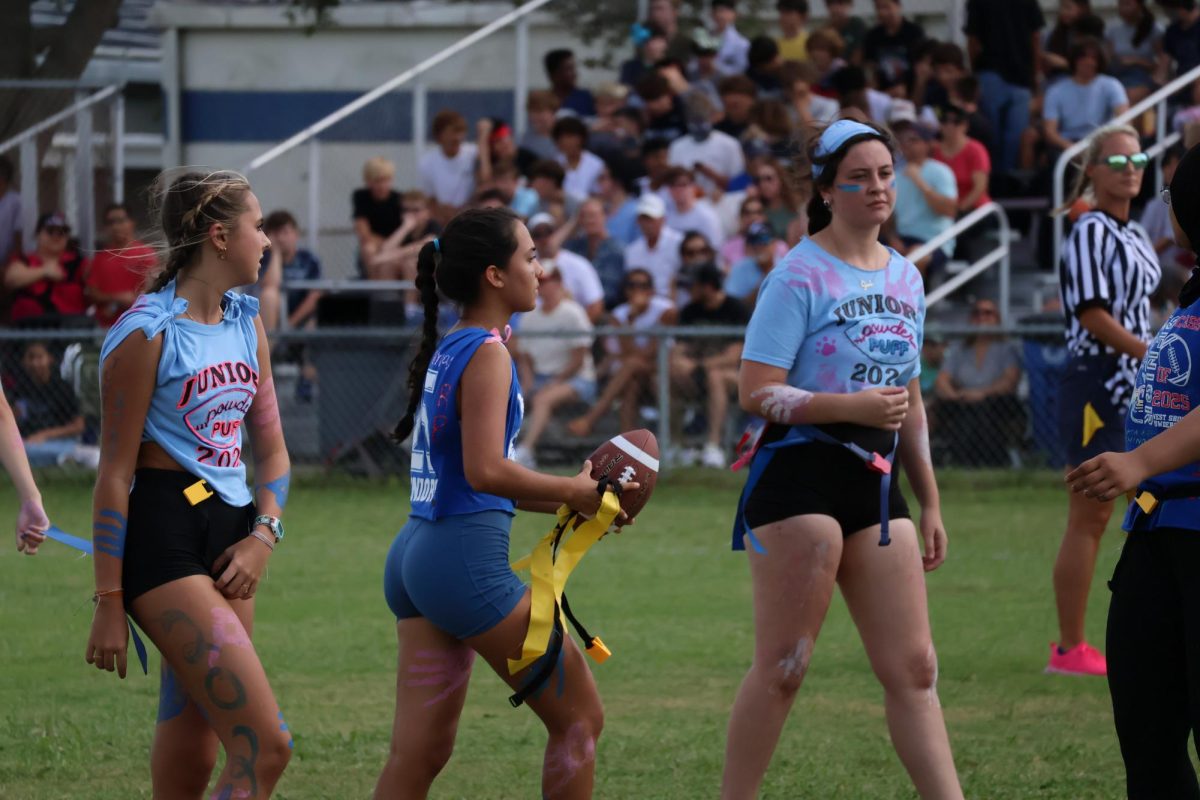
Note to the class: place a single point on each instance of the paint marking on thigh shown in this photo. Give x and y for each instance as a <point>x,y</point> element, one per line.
<point>932,694</point>
<point>451,669</point>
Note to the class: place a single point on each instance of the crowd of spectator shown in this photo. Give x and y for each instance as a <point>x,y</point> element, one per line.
<point>672,185</point>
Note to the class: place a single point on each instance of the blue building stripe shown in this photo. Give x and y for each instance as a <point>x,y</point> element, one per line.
<point>245,116</point>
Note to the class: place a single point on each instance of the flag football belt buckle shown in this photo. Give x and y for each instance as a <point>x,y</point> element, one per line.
<point>877,463</point>
<point>1146,502</point>
<point>197,493</point>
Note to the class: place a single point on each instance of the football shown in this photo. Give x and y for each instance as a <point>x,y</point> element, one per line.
<point>629,457</point>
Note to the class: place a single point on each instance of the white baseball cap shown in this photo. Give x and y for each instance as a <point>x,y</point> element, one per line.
<point>651,205</point>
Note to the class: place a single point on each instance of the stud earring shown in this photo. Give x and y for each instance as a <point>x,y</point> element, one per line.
<point>222,253</point>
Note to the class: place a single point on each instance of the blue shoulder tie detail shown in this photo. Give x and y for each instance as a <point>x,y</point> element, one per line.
<point>240,305</point>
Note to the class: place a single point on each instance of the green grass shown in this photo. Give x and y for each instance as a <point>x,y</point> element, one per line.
<point>669,599</point>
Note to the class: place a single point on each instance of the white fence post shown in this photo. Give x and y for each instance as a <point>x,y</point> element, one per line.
<point>116,126</point>
<point>314,192</point>
<point>30,202</point>
<point>85,175</point>
<point>420,121</point>
<point>521,85</point>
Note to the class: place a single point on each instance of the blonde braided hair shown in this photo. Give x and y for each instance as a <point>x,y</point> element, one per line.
<point>188,206</point>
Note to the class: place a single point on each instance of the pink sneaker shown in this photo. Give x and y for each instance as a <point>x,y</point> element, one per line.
<point>1082,659</point>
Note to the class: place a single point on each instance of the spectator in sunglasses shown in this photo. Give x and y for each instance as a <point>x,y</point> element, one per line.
<point>48,282</point>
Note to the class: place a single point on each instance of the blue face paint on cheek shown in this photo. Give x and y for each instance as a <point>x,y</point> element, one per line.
<point>849,187</point>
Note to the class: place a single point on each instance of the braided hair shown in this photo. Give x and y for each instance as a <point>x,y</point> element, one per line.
<point>453,264</point>
<point>187,209</point>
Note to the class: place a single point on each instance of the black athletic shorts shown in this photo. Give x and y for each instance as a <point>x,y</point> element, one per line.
<point>826,479</point>
<point>168,538</point>
<point>1088,422</point>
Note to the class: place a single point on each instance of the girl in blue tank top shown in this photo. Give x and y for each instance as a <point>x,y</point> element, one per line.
<point>179,540</point>
<point>447,577</point>
<point>1154,618</point>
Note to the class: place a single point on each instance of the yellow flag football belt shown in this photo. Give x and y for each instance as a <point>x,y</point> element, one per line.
<point>550,564</point>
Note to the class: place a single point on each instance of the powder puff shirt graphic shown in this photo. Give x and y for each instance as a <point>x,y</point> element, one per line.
<point>206,383</point>
<point>836,328</point>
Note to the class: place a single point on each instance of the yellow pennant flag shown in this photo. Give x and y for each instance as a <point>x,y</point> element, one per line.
<point>549,572</point>
<point>1091,423</point>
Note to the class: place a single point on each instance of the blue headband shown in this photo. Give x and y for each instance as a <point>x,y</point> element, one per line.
<point>837,135</point>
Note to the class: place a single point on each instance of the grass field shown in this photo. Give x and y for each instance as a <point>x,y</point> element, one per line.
<point>670,600</point>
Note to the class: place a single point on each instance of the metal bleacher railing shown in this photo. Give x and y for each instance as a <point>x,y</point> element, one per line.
<point>310,136</point>
<point>1163,140</point>
<point>84,139</point>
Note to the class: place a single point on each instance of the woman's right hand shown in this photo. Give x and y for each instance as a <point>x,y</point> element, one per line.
<point>583,496</point>
<point>884,407</point>
<point>109,639</point>
<point>32,525</point>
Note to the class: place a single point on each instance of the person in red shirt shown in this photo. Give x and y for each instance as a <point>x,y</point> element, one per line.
<point>966,157</point>
<point>48,281</point>
<point>117,272</point>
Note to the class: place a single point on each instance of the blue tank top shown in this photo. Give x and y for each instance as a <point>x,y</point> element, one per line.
<point>438,480</point>
<point>207,379</point>
<point>1163,394</point>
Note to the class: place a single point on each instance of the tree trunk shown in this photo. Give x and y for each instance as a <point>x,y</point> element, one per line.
<point>69,52</point>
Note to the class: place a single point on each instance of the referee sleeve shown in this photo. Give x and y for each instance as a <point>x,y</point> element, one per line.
<point>1089,252</point>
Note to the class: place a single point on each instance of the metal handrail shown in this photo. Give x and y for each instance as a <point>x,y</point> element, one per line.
<point>66,113</point>
<point>1164,140</point>
<point>999,254</point>
<point>401,79</point>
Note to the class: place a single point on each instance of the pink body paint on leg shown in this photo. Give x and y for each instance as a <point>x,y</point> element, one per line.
<point>452,668</point>
<point>565,760</point>
<point>227,630</point>
<point>783,404</point>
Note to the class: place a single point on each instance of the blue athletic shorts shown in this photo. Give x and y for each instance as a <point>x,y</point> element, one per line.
<point>1083,388</point>
<point>454,572</point>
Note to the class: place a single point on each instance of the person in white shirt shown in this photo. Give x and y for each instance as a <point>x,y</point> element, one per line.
<point>448,173</point>
<point>657,249</point>
<point>578,275</point>
<point>690,212</point>
<point>733,55</point>
<point>583,168</point>
<point>555,370</point>
<point>634,363</point>
<point>715,156</point>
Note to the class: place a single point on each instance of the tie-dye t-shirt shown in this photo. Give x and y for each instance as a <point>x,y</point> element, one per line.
<point>837,328</point>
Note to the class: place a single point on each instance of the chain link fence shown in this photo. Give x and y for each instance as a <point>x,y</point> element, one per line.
<point>342,389</point>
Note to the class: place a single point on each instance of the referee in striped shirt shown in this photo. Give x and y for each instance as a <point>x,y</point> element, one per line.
<point>1108,271</point>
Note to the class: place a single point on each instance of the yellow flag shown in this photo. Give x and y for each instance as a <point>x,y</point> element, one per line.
<point>1091,423</point>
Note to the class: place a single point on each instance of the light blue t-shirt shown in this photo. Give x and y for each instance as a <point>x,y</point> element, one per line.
<point>744,278</point>
<point>1081,109</point>
<point>207,379</point>
<point>914,218</point>
<point>837,328</point>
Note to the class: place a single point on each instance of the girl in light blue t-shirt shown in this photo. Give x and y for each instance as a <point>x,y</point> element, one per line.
<point>831,362</point>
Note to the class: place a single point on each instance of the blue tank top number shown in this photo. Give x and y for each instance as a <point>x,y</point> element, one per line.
<point>437,476</point>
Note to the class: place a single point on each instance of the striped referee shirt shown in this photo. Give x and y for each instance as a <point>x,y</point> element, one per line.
<point>1112,265</point>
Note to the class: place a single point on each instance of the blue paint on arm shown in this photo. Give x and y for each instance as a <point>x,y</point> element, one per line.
<point>172,699</point>
<point>108,533</point>
<point>279,487</point>
<point>283,726</point>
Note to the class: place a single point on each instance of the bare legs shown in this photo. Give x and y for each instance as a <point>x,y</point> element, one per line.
<point>432,685</point>
<point>1076,563</point>
<point>216,690</point>
<point>885,591</point>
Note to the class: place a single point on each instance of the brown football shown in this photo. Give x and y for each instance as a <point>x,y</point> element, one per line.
<point>629,457</point>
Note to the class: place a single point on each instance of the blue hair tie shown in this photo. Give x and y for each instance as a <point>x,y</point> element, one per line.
<point>437,245</point>
<point>837,135</point>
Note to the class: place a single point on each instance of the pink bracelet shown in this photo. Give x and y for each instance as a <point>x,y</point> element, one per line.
<point>262,538</point>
